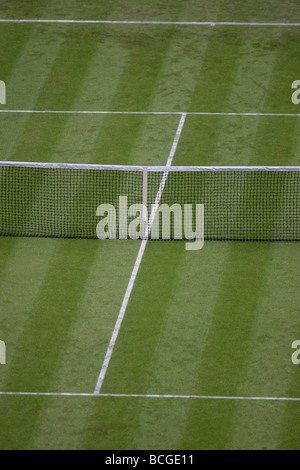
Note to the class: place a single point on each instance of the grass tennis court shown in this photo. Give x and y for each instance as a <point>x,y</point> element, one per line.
<point>202,359</point>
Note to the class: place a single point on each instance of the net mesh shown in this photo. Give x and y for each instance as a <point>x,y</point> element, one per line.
<point>62,202</point>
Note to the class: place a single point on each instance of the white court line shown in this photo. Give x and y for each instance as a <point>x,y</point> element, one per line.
<point>159,23</point>
<point>137,264</point>
<point>148,113</point>
<point>153,396</point>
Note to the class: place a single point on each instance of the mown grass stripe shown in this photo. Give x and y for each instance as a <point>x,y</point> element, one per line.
<point>24,265</point>
<point>177,80</point>
<point>69,61</point>
<point>24,85</point>
<point>277,139</point>
<point>227,344</point>
<point>272,335</point>
<point>40,349</point>
<point>237,137</point>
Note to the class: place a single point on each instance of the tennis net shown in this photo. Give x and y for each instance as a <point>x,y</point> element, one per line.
<point>69,201</point>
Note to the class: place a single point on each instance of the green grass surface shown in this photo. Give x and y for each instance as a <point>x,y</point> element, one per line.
<point>220,321</point>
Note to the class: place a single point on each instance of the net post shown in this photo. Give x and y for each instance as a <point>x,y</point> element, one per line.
<point>145,193</point>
